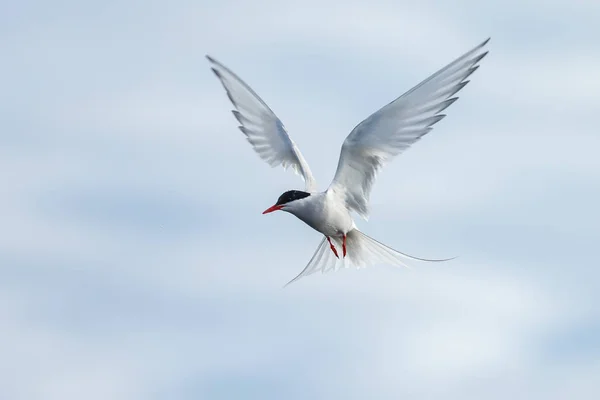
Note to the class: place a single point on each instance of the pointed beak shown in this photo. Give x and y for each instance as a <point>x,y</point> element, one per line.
<point>272,208</point>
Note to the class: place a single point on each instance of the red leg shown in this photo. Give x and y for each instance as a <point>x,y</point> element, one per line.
<point>344,246</point>
<point>332,247</point>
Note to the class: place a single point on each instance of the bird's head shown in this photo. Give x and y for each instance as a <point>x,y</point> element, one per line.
<point>287,201</point>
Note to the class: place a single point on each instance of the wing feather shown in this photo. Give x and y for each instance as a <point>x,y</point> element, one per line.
<point>395,127</point>
<point>263,129</point>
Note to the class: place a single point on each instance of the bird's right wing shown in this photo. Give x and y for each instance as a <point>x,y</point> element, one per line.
<point>262,128</point>
<point>395,127</point>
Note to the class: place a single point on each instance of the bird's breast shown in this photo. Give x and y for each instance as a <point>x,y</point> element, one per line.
<point>326,216</point>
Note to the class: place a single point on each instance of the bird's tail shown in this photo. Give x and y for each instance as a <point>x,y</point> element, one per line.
<point>362,251</point>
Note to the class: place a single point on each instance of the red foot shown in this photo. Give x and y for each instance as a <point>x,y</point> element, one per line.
<point>332,247</point>
<point>344,246</point>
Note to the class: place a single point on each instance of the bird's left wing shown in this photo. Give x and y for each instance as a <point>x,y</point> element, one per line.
<point>395,127</point>
<point>262,128</point>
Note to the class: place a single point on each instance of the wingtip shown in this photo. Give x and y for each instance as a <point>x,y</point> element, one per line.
<point>214,62</point>
<point>479,58</point>
<point>217,74</point>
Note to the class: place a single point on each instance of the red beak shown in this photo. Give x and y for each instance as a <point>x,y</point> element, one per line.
<point>272,208</point>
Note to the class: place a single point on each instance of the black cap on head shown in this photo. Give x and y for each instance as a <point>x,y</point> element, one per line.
<point>291,195</point>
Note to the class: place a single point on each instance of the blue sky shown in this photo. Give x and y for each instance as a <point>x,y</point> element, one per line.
<point>134,259</point>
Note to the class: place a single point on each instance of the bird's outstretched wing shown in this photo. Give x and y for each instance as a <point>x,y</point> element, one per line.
<point>395,127</point>
<point>262,128</point>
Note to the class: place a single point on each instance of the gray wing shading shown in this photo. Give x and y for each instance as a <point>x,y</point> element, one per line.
<point>395,127</point>
<point>262,128</point>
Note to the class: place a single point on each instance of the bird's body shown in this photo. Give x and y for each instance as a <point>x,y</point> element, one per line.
<point>324,212</point>
<point>370,145</point>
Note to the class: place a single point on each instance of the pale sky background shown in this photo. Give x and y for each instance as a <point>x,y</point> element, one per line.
<point>134,259</point>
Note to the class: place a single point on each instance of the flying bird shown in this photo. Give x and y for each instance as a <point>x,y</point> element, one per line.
<point>371,144</point>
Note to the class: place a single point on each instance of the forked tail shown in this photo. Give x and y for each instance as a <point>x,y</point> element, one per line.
<point>362,251</point>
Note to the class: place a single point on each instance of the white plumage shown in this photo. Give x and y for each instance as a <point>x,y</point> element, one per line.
<point>262,128</point>
<point>370,145</point>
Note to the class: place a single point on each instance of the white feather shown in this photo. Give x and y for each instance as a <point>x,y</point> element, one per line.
<point>363,251</point>
<point>395,127</point>
<point>372,143</point>
<point>262,128</point>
